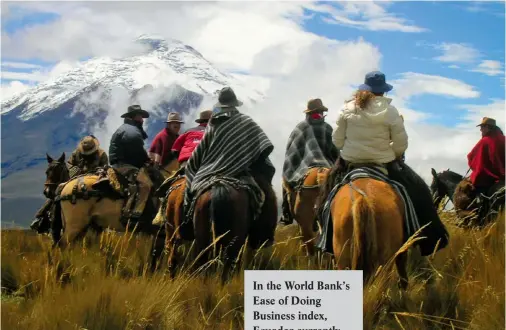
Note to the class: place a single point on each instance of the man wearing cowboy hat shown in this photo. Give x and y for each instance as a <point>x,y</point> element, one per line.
<point>185,144</point>
<point>486,159</point>
<point>311,138</point>
<point>87,157</point>
<point>128,156</point>
<point>160,150</point>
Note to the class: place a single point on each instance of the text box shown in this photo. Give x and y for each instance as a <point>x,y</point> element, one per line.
<point>303,299</point>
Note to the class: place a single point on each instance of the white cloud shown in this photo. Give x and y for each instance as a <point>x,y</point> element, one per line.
<point>12,88</point>
<point>263,38</point>
<point>490,68</point>
<point>457,53</point>
<point>412,83</point>
<point>367,15</point>
<point>42,74</point>
<point>20,65</point>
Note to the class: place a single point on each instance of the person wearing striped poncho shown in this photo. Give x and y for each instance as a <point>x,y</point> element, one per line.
<point>233,146</point>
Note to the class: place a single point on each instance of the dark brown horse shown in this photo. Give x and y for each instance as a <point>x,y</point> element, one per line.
<point>223,216</point>
<point>93,208</point>
<point>471,210</point>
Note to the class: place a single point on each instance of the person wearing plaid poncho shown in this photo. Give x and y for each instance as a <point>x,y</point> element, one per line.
<point>309,145</point>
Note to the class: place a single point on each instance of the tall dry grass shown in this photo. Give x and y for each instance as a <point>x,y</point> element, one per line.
<point>103,283</point>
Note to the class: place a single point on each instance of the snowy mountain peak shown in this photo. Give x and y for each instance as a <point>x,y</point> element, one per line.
<point>168,62</point>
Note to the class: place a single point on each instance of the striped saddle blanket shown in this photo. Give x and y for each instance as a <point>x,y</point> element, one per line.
<point>411,221</point>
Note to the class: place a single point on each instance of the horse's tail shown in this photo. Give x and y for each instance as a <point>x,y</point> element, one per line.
<point>364,236</point>
<point>221,208</point>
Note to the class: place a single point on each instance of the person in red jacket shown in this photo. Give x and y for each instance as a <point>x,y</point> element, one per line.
<point>187,142</point>
<point>160,150</point>
<point>486,160</point>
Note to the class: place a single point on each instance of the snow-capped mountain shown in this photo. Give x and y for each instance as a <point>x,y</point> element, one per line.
<point>166,75</point>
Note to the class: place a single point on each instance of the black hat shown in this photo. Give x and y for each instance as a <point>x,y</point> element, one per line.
<point>135,110</point>
<point>227,99</point>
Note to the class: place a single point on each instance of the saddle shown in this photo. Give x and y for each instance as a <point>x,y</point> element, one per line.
<point>114,179</point>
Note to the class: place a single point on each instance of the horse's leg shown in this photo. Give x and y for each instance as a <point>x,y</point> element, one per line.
<point>202,229</point>
<point>305,217</point>
<point>157,247</point>
<point>56,224</point>
<point>77,219</point>
<point>401,265</point>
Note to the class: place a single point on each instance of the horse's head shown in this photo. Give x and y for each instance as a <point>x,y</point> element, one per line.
<point>56,173</point>
<point>443,184</point>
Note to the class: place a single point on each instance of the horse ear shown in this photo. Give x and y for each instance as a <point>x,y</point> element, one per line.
<point>433,171</point>
<point>62,158</point>
<point>49,159</point>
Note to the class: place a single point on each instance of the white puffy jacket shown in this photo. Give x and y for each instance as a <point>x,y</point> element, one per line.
<point>372,135</point>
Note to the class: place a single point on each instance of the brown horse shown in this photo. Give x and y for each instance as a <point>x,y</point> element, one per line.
<point>367,220</point>
<point>171,216</point>
<point>302,203</point>
<point>223,212</point>
<point>93,208</point>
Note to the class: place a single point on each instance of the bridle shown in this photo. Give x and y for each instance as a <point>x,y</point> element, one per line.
<point>64,175</point>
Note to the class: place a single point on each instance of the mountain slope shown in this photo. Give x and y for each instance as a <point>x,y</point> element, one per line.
<point>54,115</point>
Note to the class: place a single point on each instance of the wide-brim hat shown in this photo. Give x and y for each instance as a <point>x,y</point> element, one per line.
<point>375,82</point>
<point>488,122</point>
<point>88,145</point>
<point>174,117</point>
<point>315,105</point>
<point>134,110</point>
<point>227,99</point>
<point>204,116</point>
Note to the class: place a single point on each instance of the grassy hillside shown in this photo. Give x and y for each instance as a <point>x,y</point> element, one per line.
<point>102,284</point>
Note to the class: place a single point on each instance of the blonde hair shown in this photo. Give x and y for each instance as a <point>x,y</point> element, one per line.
<point>363,98</point>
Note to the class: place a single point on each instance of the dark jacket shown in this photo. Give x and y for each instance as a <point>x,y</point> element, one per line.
<point>127,145</point>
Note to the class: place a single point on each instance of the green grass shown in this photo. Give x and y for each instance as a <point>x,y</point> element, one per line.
<point>102,283</point>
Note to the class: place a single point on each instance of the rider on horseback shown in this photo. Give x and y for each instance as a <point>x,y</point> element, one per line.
<point>233,147</point>
<point>160,150</point>
<point>309,145</point>
<point>128,157</point>
<point>486,160</point>
<point>86,158</point>
<point>371,131</point>
<point>185,144</point>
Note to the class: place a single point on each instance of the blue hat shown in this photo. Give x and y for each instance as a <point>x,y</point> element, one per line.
<point>375,83</point>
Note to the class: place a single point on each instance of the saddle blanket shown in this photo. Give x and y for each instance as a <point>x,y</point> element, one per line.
<point>247,182</point>
<point>412,225</point>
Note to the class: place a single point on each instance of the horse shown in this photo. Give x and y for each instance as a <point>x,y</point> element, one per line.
<point>87,207</point>
<point>170,215</point>
<point>367,219</point>
<point>225,211</point>
<point>463,195</point>
<point>302,201</point>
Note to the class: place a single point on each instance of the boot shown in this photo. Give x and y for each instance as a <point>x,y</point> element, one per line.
<point>41,224</point>
<point>286,218</point>
<point>420,196</point>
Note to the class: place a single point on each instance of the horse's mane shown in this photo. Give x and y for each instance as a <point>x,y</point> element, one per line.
<point>450,175</point>
<point>464,194</point>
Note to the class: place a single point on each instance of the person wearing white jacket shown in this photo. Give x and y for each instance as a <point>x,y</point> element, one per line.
<point>371,130</point>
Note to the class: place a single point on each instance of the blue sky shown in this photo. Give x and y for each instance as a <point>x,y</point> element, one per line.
<point>479,27</point>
